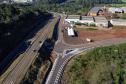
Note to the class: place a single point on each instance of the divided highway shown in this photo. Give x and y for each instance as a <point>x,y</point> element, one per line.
<point>18,72</point>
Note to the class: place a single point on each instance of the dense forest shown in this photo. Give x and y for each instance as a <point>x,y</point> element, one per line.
<point>73,6</point>
<point>104,65</point>
<point>15,24</point>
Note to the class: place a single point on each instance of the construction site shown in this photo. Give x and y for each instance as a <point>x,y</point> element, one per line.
<point>99,24</point>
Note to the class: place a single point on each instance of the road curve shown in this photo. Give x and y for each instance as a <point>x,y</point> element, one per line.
<point>63,57</point>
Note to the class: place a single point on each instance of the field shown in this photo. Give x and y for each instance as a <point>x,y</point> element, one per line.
<point>95,34</point>
<point>104,65</point>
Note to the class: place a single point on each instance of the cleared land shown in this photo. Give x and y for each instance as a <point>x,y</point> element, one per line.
<point>105,65</point>
<point>94,34</point>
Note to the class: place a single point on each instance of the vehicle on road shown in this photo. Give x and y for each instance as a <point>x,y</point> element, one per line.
<point>34,50</point>
<point>89,40</point>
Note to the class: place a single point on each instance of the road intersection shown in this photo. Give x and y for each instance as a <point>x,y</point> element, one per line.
<point>66,51</point>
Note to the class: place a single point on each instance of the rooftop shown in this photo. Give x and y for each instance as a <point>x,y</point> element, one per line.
<point>100,19</point>
<point>73,17</point>
<point>119,20</point>
<point>95,9</point>
<point>87,18</point>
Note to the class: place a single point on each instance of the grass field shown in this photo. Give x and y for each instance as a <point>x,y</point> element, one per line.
<point>91,29</point>
<point>105,65</point>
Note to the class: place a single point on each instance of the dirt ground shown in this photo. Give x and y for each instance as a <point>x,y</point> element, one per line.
<point>95,35</point>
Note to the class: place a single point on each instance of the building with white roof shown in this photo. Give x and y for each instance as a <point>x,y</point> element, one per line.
<point>124,9</point>
<point>23,1</point>
<point>95,11</point>
<point>72,19</point>
<point>115,10</point>
<point>118,22</point>
<point>70,31</point>
<point>87,19</point>
<point>17,1</point>
<point>101,21</point>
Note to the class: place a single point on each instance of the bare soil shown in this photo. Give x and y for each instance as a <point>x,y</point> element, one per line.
<point>95,35</point>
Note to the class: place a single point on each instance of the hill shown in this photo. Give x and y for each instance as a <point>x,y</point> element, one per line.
<point>106,65</point>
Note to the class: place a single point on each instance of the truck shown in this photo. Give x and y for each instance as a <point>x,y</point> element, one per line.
<point>89,40</point>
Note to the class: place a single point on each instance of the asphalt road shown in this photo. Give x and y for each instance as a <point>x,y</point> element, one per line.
<point>16,75</point>
<point>63,58</point>
<point>21,47</point>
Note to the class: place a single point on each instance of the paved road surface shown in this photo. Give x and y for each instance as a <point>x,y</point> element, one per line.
<point>20,48</point>
<point>61,47</point>
<point>15,76</point>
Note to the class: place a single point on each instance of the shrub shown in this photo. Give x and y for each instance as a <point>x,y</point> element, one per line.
<point>93,24</point>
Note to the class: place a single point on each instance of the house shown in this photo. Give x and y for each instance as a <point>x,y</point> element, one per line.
<point>72,19</point>
<point>118,22</point>
<point>101,21</point>
<point>87,19</point>
<point>23,1</point>
<point>95,11</point>
<point>70,31</point>
<point>5,1</point>
<point>17,1</point>
<point>124,9</point>
<point>115,10</point>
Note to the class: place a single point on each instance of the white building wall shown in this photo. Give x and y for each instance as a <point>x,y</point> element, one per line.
<point>118,22</point>
<point>70,32</point>
<point>85,21</point>
<point>124,9</point>
<point>103,24</point>
<point>72,20</point>
<point>22,1</point>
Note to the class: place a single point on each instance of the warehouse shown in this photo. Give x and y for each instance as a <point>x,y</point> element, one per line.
<point>72,19</point>
<point>23,1</point>
<point>87,19</point>
<point>70,31</point>
<point>118,22</point>
<point>101,21</point>
<point>124,9</point>
<point>115,10</point>
<point>95,11</point>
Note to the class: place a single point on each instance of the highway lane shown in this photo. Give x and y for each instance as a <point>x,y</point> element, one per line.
<point>20,69</point>
<point>63,59</point>
<point>16,51</point>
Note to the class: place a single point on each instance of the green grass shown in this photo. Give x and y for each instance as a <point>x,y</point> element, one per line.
<point>123,16</point>
<point>118,5</point>
<point>99,66</point>
<point>89,29</point>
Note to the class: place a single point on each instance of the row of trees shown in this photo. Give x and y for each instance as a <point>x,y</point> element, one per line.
<point>72,6</point>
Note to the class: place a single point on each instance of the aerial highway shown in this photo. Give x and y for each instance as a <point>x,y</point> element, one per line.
<point>63,58</point>
<point>66,51</point>
<point>18,72</point>
<point>22,46</point>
